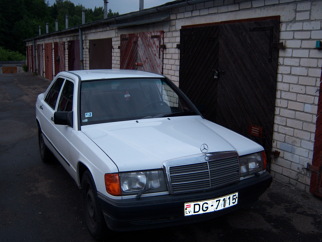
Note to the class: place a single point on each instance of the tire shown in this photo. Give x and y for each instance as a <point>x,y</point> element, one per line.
<point>92,212</point>
<point>45,153</point>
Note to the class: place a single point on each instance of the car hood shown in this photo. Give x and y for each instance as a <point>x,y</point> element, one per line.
<point>148,143</point>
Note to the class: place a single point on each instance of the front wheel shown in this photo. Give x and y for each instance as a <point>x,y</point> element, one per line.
<point>93,214</point>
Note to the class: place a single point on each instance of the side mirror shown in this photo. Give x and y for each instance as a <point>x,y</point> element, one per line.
<point>63,118</point>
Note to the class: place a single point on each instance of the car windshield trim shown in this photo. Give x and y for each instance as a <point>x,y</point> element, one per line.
<point>112,100</point>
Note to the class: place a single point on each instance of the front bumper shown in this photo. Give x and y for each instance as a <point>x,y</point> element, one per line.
<point>168,210</point>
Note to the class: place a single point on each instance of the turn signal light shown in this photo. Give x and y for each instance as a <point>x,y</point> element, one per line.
<point>112,184</point>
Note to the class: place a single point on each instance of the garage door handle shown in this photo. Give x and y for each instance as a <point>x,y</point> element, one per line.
<point>41,107</point>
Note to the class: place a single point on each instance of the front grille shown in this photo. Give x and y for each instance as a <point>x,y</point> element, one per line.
<point>203,172</point>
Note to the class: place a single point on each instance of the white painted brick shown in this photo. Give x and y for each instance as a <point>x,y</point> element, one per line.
<point>312,90</point>
<point>271,2</point>
<point>292,140</point>
<point>195,13</point>
<point>286,53</point>
<point>204,11</point>
<point>276,168</point>
<point>283,86</point>
<point>300,71</point>
<point>286,130</point>
<point>284,70</point>
<point>316,53</point>
<point>290,79</point>
<point>292,61</point>
<point>289,173</point>
<point>296,106</point>
<point>287,113</point>
<point>312,25</point>
<point>293,43</point>
<point>283,163</point>
<point>291,157</point>
<point>301,53</point>
<point>301,152</point>
<point>296,167</point>
<point>287,35</point>
<point>244,5</point>
<point>304,116</point>
<point>303,15</point>
<point>308,108</point>
<point>302,134</point>
<point>213,10</point>
<point>308,81</point>
<point>302,35</point>
<point>309,62</point>
<point>311,152</point>
<point>317,35</point>
<point>288,96</point>
<point>294,26</point>
<point>308,44</point>
<point>307,99</point>
<point>316,10</point>
<point>297,88</point>
<point>294,124</point>
<point>279,137</point>
<point>307,145</point>
<point>258,3</point>
<point>281,103</point>
<point>315,72</point>
<point>303,6</point>
<point>304,161</point>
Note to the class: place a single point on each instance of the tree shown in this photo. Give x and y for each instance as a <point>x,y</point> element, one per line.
<point>20,19</point>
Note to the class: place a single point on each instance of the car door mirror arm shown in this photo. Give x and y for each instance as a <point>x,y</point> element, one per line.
<point>63,118</point>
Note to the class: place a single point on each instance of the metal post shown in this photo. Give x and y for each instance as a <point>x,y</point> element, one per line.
<point>141,5</point>
<point>105,9</point>
<point>66,21</point>
<point>56,25</point>
<point>83,17</point>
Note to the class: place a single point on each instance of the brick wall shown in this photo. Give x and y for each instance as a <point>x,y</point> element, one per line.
<point>298,73</point>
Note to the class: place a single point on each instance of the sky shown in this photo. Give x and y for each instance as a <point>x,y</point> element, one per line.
<point>121,6</point>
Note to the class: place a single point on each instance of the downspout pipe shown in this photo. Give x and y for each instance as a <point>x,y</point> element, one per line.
<point>81,52</point>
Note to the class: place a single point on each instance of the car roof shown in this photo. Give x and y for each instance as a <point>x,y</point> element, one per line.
<point>84,75</point>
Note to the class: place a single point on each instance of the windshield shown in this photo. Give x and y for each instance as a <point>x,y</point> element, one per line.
<point>127,99</point>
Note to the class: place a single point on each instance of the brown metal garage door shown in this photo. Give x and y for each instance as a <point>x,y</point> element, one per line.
<point>100,54</point>
<point>230,71</point>
<point>316,176</point>
<point>143,51</point>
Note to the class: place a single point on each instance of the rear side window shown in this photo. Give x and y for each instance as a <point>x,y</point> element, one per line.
<point>53,93</point>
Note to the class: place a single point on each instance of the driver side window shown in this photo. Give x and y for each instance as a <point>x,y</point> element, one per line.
<point>53,93</point>
<point>66,97</point>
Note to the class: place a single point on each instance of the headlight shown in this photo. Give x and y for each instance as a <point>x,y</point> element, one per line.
<point>251,164</point>
<point>137,182</point>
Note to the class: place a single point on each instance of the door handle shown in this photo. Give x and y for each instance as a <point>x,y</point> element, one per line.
<point>41,107</point>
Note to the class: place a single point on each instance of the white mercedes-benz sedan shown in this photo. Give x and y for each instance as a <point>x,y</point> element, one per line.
<point>142,154</point>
